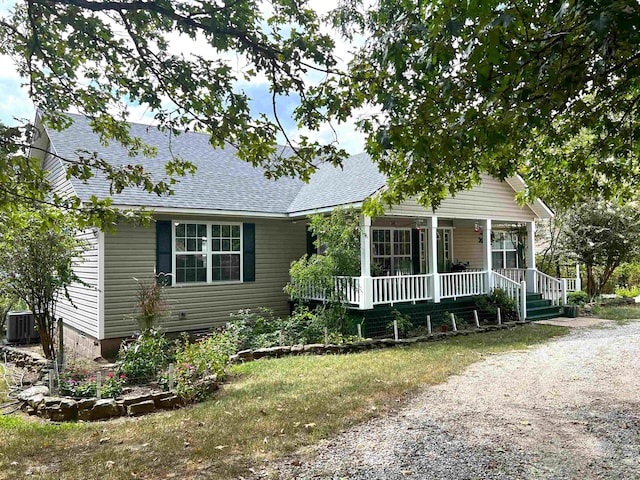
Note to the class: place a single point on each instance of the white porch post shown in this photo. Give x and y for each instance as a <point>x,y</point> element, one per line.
<point>563,291</point>
<point>578,279</point>
<point>487,260</point>
<point>432,229</point>
<point>366,283</point>
<point>532,285</point>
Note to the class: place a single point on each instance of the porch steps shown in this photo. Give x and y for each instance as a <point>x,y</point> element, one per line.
<point>541,309</point>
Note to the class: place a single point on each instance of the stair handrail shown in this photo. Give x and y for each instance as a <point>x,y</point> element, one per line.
<point>513,290</point>
<point>551,288</point>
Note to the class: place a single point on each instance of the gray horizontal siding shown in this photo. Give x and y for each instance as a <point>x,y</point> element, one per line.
<point>58,176</point>
<point>82,312</point>
<point>491,199</point>
<point>130,252</point>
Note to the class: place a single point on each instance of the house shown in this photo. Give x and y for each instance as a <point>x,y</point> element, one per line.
<point>228,236</point>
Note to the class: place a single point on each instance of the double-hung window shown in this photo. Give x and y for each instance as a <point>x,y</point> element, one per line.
<point>207,252</point>
<point>504,250</point>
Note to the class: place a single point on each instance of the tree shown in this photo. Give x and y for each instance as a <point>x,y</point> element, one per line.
<point>37,251</point>
<point>602,235</point>
<point>101,57</point>
<point>549,90</point>
<point>337,236</point>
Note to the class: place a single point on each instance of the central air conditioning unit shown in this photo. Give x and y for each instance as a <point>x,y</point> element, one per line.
<point>21,328</point>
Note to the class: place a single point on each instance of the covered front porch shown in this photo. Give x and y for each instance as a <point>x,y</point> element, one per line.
<point>430,258</point>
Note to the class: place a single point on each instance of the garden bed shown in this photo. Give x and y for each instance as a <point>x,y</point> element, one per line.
<point>139,400</point>
<point>354,347</point>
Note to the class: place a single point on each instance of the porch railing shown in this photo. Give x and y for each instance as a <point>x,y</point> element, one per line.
<point>551,288</point>
<point>347,289</point>
<point>462,284</point>
<point>572,284</point>
<point>365,292</point>
<point>513,290</point>
<point>517,275</point>
<point>401,288</point>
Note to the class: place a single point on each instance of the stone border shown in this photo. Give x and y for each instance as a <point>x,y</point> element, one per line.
<point>322,349</point>
<point>37,400</point>
<point>24,359</point>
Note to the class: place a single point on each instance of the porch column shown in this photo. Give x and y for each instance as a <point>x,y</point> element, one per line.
<point>366,283</point>
<point>487,258</point>
<point>432,229</point>
<point>578,279</point>
<point>532,285</point>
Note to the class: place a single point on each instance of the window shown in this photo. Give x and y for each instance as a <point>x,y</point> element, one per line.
<point>225,246</point>
<point>207,252</point>
<point>504,251</point>
<point>391,251</point>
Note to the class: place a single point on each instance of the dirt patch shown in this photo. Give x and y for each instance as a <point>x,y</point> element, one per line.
<point>575,322</point>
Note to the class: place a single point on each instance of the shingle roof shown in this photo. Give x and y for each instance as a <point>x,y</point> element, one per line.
<point>222,181</point>
<point>329,186</point>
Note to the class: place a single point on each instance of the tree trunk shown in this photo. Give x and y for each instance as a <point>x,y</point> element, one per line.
<point>46,340</point>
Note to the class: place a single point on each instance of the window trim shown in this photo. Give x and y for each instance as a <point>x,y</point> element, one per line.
<point>503,251</point>
<point>208,253</point>
<point>393,256</point>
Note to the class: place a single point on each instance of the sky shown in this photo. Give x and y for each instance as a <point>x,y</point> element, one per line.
<point>15,104</point>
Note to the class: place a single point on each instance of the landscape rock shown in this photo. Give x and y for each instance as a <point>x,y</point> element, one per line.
<point>245,354</point>
<point>85,403</point>
<point>317,348</point>
<point>131,399</point>
<point>59,409</point>
<point>105,408</point>
<point>141,408</point>
<point>33,391</point>
<point>168,402</point>
<point>35,401</point>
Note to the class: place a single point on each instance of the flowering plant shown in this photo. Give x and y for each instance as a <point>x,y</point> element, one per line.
<point>80,383</point>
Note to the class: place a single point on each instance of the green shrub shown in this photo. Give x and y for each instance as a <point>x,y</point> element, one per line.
<point>498,298</point>
<point>631,292</point>
<point>194,362</point>
<point>616,301</point>
<point>461,322</point>
<point>255,329</point>
<point>579,298</point>
<point>142,358</point>
<point>403,321</point>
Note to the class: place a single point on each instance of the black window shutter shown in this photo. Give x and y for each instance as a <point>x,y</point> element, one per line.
<point>249,252</point>
<point>415,250</point>
<point>311,245</point>
<point>164,251</point>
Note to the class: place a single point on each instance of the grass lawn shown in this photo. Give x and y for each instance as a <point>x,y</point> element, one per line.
<point>621,314</point>
<point>3,386</point>
<point>267,408</point>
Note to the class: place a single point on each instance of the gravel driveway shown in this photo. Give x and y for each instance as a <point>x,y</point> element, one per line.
<point>568,409</point>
